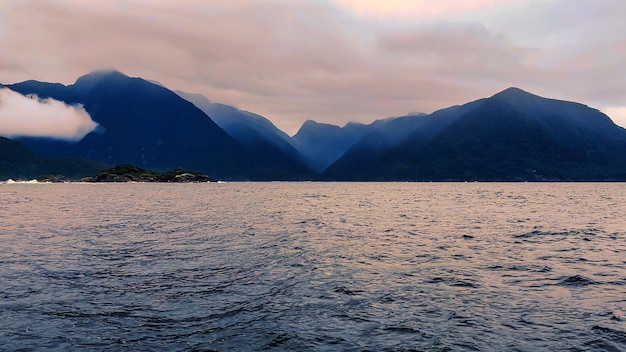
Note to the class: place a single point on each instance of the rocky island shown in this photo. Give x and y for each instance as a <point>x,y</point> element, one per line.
<point>131,173</point>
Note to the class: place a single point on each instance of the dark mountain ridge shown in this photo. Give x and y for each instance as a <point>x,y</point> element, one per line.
<point>322,144</point>
<point>254,131</point>
<point>19,162</point>
<point>148,125</point>
<point>511,136</point>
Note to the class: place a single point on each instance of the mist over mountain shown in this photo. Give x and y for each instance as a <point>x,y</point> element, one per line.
<point>322,144</point>
<point>255,131</point>
<point>150,126</point>
<point>30,116</point>
<point>513,135</point>
<point>376,140</point>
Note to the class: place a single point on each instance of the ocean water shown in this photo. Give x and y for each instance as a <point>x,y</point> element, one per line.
<point>313,267</point>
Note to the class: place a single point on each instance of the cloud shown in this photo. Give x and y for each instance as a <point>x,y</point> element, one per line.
<point>420,8</point>
<point>30,116</point>
<point>328,60</point>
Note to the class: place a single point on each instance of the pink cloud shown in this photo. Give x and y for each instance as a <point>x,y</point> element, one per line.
<point>419,8</point>
<point>311,59</point>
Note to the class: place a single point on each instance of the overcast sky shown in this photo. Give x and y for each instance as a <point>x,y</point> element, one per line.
<point>332,61</point>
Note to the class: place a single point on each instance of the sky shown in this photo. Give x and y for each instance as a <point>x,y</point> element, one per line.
<point>331,61</point>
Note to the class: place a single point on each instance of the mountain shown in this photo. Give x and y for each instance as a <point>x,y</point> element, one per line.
<point>254,131</point>
<point>322,144</point>
<point>513,135</point>
<point>374,144</point>
<point>376,140</point>
<point>17,161</point>
<point>145,124</point>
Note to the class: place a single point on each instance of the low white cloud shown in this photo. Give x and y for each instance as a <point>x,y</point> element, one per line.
<point>30,116</point>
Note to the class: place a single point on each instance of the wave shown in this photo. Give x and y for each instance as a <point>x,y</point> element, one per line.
<point>11,181</point>
<point>567,233</point>
<point>577,280</point>
<point>453,282</point>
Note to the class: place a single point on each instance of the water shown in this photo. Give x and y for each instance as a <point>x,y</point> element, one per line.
<point>313,267</point>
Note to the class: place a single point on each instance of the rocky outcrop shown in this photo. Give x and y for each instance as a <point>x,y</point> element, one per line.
<point>131,173</point>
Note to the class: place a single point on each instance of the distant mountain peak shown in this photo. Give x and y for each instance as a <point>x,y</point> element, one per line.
<point>326,126</point>
<point>514,93</point>
<point>352,123</point>
<point>514,90</point>
<point>89,80</point>
<point>310,123</point>
<point>99,74</point>
<point>416,113</point>
<point>193,97</point>
<point>157,83</point>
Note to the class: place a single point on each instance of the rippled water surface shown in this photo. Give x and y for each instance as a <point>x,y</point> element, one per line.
<point>313,267</point>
